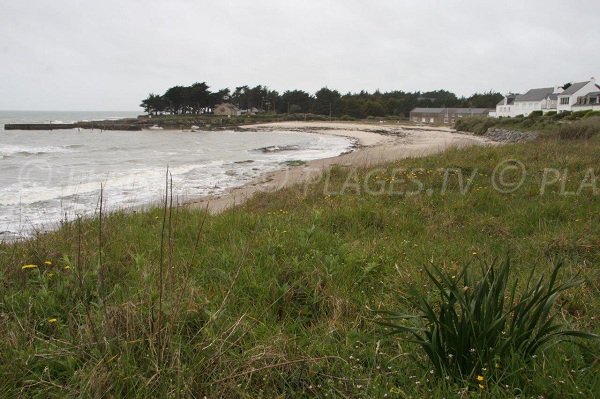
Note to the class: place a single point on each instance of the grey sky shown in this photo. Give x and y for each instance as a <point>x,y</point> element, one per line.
<point>108,55</point>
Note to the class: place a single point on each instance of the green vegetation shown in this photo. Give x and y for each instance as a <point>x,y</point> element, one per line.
<point>482,324</point>
<point>279,297</point>
<point>199,100</point>
<point>581,124</point>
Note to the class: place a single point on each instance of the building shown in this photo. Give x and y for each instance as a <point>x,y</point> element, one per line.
<point>226,109</point>
<point>505,106</point>
<point>544,99</point>
<point>444,116</point>
<point>589,102</point>
<point>570,96</point>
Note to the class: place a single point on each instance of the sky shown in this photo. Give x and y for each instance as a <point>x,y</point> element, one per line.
<point>108,55</point>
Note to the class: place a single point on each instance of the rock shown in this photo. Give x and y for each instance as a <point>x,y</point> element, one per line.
<point>509,136</point>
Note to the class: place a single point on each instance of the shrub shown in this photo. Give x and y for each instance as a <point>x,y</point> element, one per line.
<point>592,114</point>
<point>579,114</point>
<point>561,115</point>
<point>536,114</point>
<point>476,124</point>
<point>584,129</point>
<point>550,113</point>
<point>481,322</point>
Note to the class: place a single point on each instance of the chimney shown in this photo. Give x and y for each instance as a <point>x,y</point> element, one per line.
<point>557,90</point>
<point>593,79</point>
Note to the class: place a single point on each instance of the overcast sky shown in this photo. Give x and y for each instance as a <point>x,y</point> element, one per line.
<point>108,55</point>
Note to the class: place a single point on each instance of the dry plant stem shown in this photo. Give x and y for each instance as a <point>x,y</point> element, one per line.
<point>161,272</point>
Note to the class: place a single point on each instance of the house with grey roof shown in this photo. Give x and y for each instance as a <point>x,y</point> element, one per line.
<point>589,102</point>
<point>544,99</point>
<point>569,97</point>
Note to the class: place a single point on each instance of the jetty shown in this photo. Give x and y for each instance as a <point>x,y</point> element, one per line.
<point>121,124</point>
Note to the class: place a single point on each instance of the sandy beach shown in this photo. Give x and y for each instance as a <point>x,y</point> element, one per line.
<point>376,143</point>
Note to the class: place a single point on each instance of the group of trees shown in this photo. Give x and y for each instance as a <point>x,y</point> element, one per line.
<point>198,99</point>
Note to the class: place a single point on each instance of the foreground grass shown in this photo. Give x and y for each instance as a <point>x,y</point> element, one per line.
<point>276,298</point>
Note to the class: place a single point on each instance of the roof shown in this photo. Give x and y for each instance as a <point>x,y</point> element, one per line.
<point>226,105</point>
<point>510,99</point>
<point>428,110</point>
<point>536,94</point>
<point>574,88</point>
<point>450,110</point>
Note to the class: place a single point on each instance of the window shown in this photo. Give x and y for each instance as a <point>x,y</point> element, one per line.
<point>564,100</point>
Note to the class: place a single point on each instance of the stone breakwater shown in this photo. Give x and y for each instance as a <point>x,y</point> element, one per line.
<point>124,124</point>
<point>509,136</point>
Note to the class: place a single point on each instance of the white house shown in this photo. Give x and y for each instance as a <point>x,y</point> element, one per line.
<point>589,102</point>
<point>504,107</point>
<point>568,98</point>
<point>544,99</point>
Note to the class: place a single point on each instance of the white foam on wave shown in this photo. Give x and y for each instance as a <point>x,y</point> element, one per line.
<point>8,150</point>
<point>196,173</point>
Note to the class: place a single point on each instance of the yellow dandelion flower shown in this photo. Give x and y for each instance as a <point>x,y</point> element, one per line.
<point>29,267</point>
<point>480,378</point>
<point>48,263</point>
<point>67,267</point>
<point>481,386</point>
<point>474,253</point>
<point>52,320</point>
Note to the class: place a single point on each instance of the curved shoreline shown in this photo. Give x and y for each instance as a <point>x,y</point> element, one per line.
<point>378,143</point>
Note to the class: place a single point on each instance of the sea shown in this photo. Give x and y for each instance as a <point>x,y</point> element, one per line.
<point>48,177</point>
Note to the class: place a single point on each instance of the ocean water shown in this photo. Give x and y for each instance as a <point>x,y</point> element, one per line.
<point>50,176</point>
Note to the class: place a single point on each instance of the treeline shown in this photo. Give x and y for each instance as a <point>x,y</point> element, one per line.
<point>199,99</point>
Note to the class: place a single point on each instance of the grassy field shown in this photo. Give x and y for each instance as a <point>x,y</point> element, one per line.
<point>276,298</point>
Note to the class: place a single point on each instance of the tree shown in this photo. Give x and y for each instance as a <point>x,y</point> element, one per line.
<point>199,97</point>
<point>154,104</point>
<point>176,99</point>
<point>218,97</point>
<point>373,108</point>
<point>484,100</point>
<point>295,97</point>
<point>326,102</point>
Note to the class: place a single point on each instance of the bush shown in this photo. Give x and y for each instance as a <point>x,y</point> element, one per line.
<point>476,124</point>
<point>584,129</point>
<point>561,115</point>
<point>579,114</point>
<point>536,114</point>
<point>550,113</point>
<point>347,118</point>
<point>592,114</point>
<point>481,323</point>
